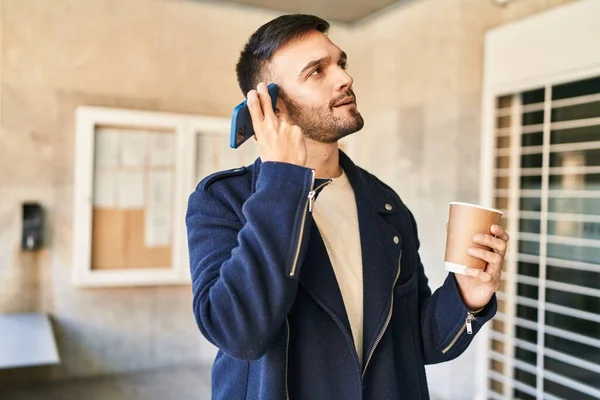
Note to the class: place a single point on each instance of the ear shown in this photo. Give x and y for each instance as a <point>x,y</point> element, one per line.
<point>280,107</point>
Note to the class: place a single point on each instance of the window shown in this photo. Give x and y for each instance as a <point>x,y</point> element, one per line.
<point>545,340</point>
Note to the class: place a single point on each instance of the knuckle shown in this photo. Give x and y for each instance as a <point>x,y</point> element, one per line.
<point>483,240</point>
<point>503,246</point>
<point>274,122</point>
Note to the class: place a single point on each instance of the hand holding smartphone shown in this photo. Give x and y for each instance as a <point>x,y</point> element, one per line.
<point>277,139</point>
<point>241,123</point>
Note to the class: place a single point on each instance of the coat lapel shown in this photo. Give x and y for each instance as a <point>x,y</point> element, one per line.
<point>381,246</point>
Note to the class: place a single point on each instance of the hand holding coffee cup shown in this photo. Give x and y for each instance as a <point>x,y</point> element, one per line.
<point>475,248</point>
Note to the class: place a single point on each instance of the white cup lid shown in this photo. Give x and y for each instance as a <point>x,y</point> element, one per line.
<point>476,206</point>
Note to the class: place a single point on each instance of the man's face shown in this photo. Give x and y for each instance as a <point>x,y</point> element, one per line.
<point>315,90</point>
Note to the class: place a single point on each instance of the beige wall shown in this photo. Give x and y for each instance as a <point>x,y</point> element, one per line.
<point>418,77</point>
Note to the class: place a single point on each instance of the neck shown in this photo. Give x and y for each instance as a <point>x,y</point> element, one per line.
<point>324,158</point>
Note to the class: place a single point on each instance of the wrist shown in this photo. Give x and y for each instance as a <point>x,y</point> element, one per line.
<point>283,160</point>
<point>472,306</point>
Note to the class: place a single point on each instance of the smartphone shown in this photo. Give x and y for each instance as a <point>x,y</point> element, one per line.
<point>241,124</point>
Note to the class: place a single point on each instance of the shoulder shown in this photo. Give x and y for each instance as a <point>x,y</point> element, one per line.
<point>225,177</point>
<point>220,194</point>
<point>227,188</point>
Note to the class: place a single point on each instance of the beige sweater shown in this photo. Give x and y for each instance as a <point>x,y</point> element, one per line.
<point>337,219</point>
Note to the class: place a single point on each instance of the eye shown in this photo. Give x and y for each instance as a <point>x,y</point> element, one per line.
<point>316,71</point>
<point>344,65</point>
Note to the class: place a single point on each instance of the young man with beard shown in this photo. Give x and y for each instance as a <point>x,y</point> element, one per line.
<point>305,268</point>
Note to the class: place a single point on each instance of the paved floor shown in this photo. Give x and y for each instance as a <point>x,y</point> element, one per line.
<point>190,383</point>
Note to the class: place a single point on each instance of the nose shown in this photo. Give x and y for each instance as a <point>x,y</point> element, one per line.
<point>343,80</point>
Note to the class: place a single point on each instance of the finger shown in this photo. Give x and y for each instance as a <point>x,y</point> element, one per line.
<point>490,257</point>
<point>256,113</point>
<point>496,244</point>
<point>479,274</point>
<point>265,101</point>
<point>495,270</point>
<point>296,133</point>
<point>499,232</point>
<point>284,118</point>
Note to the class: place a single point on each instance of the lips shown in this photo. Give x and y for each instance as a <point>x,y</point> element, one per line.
<point>345,101</point>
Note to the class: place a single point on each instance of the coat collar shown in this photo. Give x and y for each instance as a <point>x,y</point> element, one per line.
<point>365,185</point>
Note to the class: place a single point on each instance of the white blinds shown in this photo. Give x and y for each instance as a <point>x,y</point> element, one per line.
<point>545,341</point>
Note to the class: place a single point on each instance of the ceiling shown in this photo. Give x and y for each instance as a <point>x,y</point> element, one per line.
<point>344,11</point>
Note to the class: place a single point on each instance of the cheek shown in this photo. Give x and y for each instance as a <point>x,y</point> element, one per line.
<point>314,95</point>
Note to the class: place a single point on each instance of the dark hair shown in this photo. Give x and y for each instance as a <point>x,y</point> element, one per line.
<point>267,40</point>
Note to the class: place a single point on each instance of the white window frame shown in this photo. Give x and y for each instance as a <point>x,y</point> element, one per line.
<point>184,127</point>
<point>557,46</point>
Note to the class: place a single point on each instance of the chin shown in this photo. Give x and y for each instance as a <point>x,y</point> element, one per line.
<point>355,123</point>
<point>348,129</point>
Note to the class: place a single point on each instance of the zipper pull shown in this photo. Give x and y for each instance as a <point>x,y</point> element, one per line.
<point>311,200</point>
<point>313,193</point>
<point>470,318</point>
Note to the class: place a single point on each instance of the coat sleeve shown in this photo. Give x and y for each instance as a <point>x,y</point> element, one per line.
<point>243,277</point>
<point>444,316</point>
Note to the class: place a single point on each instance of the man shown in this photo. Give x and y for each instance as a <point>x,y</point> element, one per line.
<point>305,268</point>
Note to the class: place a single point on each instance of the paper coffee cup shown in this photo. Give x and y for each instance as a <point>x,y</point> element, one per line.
<point>466,220</point>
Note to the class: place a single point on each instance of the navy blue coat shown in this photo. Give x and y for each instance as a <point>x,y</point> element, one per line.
<point>264,291</point>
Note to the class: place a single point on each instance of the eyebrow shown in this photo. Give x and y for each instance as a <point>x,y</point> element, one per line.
<point>322,60</point>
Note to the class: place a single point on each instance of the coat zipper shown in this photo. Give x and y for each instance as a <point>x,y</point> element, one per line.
<point>300,236</point>
<point>313,193</point>
<point>387,320</point>
<point>468,326</point>
<point>287,351</point>
<point>309,206</point>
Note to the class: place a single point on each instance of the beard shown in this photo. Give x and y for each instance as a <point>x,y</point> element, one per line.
<point>320,123</point>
